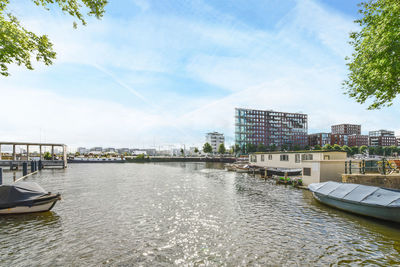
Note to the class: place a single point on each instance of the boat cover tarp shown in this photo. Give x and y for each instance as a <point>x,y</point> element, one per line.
<point>362,194</point>
<point>20,193</point>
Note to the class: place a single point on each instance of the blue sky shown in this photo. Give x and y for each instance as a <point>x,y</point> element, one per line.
<point>163,73</point>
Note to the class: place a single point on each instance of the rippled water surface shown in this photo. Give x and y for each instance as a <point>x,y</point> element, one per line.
<point>187,214</point>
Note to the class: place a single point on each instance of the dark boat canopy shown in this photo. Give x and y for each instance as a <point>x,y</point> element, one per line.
<point>363,194</point>
<point>19,193</point>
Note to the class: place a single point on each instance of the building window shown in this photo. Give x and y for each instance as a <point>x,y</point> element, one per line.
<point>284,157</point>
<point>297,158</point>
<point>269,157</point>
<point>327,157</point>
<point>262,157</point>
<point>307,171</point>
<point>307,157</point>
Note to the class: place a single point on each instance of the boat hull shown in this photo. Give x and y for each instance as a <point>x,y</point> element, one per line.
<point>379,212</point>
<point>40,205</point>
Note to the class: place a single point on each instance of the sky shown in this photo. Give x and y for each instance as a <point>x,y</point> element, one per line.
<point>161,74</point>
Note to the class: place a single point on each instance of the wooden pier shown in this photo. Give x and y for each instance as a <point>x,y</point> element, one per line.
<point>46,163</point>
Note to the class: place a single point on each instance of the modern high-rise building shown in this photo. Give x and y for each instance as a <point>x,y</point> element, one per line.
<point>270,128</point>
<point>382,138</point>
<point>320,139</point>
<point>346,129</point>
<point>215,139</point>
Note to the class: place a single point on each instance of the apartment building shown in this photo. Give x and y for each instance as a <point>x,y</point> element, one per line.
<point>215,139</point>
<point>270,128</point>
<point>346,129</point>
<point>382,138</point>
<point>320,139</point>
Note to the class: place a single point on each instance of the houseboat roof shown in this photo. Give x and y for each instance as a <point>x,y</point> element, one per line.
<point>300,151</point>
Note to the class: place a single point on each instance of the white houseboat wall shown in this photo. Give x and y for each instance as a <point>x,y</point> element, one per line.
<point>316,166</point>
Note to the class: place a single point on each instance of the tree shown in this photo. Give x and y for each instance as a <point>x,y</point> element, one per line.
<point>307,147</point>
<point>182,152</point>
<point>374,68</point>
<point>317,147</point>
<point>221,149</point>
<point>327,147</point>
<point>347,150</point>
<point>261,147</point>
<point>18,44</point>
<point>47,156</point>
<point>355,150</point>
<point>272,147</point>
<point>363,149</point>
<point>296,147</point>
<point>251,148</point>
<point>207,148</point>
<point>284,147</point>
<point>336,147</point>
<point>196,150</point>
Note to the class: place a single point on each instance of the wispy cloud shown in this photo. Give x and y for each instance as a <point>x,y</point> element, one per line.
<point>186,66</point>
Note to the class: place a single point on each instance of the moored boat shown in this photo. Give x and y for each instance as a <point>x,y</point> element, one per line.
<point>364,200</point>
<point>25,197</point>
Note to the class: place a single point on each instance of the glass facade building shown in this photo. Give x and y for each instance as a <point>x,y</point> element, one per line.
<point>270,128</point>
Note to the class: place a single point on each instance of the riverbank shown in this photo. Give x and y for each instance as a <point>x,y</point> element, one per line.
<point>156,159</point>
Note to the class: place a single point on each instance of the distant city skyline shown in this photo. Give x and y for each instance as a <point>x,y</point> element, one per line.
<point>163,73</point>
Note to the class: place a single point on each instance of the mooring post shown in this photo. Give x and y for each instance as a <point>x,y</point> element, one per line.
<point>32,166</point>
<point>1,176</point>
<point>24,168</point>
<point>349,166</point>
<point>36,165</point>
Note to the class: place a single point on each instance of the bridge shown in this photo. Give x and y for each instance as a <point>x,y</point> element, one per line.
<point>53,162</point>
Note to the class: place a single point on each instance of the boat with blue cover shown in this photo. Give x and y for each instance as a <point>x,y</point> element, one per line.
<point>372,201</point>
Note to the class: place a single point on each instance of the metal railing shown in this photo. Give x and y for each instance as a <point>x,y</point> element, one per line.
<point>384,166</point>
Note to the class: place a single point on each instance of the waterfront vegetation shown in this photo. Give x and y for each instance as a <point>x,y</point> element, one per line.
<point>19,44</point>
<point>374,71</point>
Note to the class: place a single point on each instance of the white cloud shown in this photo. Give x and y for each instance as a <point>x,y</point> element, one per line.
<point>296,66</point>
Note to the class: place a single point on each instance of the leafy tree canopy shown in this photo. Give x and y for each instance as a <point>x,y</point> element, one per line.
<point>207,148</point>
<point>221,149</point>
<point>317,147</point>
<point>327,147</point>
<point>261,147</point>
<point>374,68</point>
<point>18,45</point>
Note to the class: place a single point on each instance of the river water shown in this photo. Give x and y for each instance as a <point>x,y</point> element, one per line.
<point>187,214</point>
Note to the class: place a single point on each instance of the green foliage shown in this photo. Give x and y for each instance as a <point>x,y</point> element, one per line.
<point>196,150</point>
<point>317,147</point>
<point>296,148</point>
<point>261,147</point>
<point>272,147</point>
<point>221,149</point>
<point>347,150</point>
<point>251,148</point>
<point>18,44</point>
<point>354,150</point>
<point>182,152</point>
<point>141,156</point>
<point>374,68</point>
<point>207,148</point>
<point>336,147</point>
<point>47,156</point>
<point>307,147</point>
<point>327,147</point>
<point>363,149</point>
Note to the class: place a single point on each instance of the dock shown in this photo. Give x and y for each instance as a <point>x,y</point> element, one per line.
<point>16,161</point>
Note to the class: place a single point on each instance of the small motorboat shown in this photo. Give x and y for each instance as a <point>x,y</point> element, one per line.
<point>25,197</point>
<point>372,201</point>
